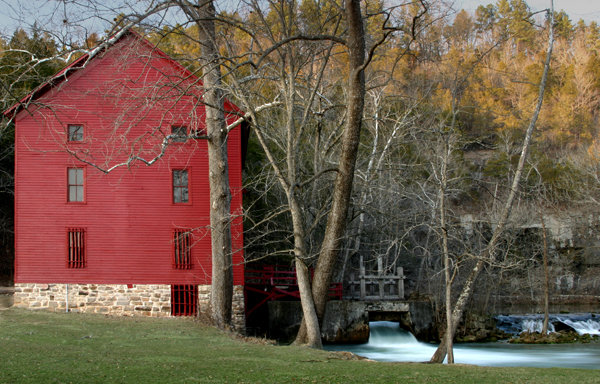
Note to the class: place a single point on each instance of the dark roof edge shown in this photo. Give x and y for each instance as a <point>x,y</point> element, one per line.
<point>67,71</point>
<point>81,62</point>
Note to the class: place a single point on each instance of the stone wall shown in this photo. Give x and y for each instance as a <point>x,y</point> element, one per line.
<point>238,316</point>
<point>145,300</point>
<point>116,299</point>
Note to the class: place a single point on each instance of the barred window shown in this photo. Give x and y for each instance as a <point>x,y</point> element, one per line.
<point>76,248</point>
<point>182,249</point>
<point>184,300</point>
<point>180,186</point>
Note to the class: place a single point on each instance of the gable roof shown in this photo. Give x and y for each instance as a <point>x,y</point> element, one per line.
<point>80,63</point>
<point>41,89</point>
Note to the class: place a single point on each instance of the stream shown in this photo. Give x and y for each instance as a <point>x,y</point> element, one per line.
<point>389,342</point>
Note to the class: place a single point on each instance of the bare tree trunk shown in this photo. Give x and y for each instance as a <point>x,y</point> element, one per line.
<point>440,353</point>
<point>336,220</point>
<point>308,305</point>
<point>447,267</point>
<point>363,198</point>
<point>220,195</point>
<point>546,276</point>
<point>313,336</point>
<point>490,251</point>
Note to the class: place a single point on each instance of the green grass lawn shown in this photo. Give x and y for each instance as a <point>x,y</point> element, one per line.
<point>43,347</point>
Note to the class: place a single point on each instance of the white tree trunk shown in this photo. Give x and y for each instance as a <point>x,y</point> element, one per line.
<point>220,195</point>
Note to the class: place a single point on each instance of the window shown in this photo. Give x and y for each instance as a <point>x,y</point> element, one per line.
<point>199,132</point>
<point>180,133</point>
<point>76,248</point>
<point>184,300</point>
<point>75,132</point>
<point>182,249</point>
<point>75,184</point>
<point>180,186</point>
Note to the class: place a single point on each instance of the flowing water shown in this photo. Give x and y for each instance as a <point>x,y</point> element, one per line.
<point>581,323</point>
<point>388,342</point>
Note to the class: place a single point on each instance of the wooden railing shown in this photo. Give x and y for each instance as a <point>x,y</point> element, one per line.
<point>378,286</point>
<point>274,282</point>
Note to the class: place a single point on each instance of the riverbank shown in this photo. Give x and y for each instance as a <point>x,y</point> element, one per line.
<point>526,328</point>
<point>390,343</point>
<point>560,337</point>
<point>59,347</point>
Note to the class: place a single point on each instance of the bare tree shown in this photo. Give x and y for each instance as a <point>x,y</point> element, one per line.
<point>203,15</point>
<point>336,222</point>
<point>282,40</point>
<point>546,275</point>
<point>491,250</point>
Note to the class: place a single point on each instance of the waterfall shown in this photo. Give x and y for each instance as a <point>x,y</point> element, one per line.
<point>389,342</point>
<point>535,325</point>
<point>386,333</point>
<point>581,323</point>
<point>590,326</point>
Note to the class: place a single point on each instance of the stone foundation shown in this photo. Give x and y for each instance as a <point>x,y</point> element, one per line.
<point>152,300</point>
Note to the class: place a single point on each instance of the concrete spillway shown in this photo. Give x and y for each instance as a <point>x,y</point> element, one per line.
<point>348,321</point>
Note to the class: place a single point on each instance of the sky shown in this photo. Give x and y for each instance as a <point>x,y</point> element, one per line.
<point>588,10</point>
<point>15,13</point>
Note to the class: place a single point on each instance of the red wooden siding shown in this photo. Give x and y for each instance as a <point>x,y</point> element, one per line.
<point>128,215</point>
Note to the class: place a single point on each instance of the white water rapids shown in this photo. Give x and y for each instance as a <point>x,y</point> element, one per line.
<point>388,342</point>
<point>581,323</point>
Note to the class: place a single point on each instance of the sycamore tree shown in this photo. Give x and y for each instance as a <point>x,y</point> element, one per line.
<point>311,59</point>
<point>298,69</point>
